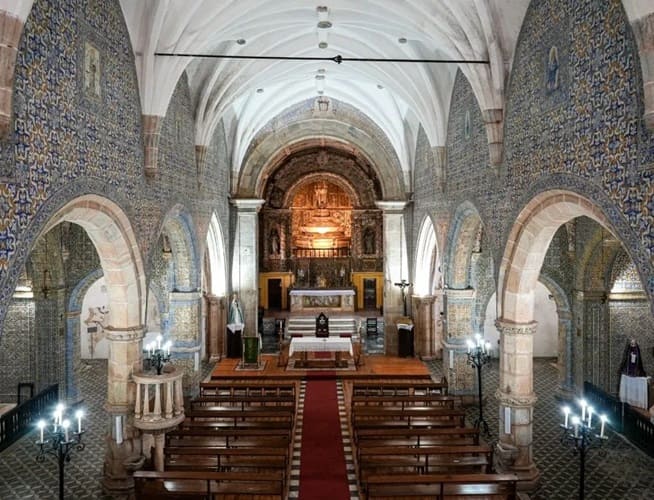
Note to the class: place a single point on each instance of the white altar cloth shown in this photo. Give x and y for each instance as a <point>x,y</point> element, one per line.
<point>633,390</point>
<point>320,344</point>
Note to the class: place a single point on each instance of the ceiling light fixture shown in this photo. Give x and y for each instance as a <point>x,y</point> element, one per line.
<point>323,25</point>
<point>241,41</point>
<point>323,45</point>
<point>401,40</point>
<point>259,91</point>
<point>338,59</point>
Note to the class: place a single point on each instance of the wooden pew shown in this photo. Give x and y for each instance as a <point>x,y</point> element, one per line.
<point>442,486</point>
<point>387,388</point>
<point>371,416</point>
<point>248,387</point>
<point>406,400</point>
<point>229,438</point>
<point>429,459</point>
<point>417,436</point>
<point>235,416</point>
<point>189,485</point>
<point>258,459</point>
<point>241,401</point>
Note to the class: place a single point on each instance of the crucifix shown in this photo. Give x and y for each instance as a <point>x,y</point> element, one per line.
<point>403,284</point>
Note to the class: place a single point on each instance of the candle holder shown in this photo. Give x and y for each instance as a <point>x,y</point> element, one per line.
<point>478,355</point>
<point>59,439</point>
<point>578,432</point>
<point>158,355</point>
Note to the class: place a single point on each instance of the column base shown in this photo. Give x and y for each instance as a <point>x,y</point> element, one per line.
<point>120,463</point>
<point>528,475</point>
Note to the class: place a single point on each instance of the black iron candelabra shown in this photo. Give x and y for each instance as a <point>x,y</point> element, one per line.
<point>578,432</point>
<point>478,356</point>
<point>59,439</point>
<point>158,355</point>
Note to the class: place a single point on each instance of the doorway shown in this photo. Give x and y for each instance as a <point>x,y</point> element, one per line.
<point>369,293</point>
<point>275,293</point>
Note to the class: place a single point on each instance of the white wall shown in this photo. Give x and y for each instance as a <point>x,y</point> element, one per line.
<point>546,337</point>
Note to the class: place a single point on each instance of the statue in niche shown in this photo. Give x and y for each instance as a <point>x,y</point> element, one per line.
<point>632,361</point>
<point>369,241</point>
<point>274,241</point>
<point>235,311</point>
<point>91,70</point>
<point>553,69</point>
<point>321,195</point>
<point>95,326</point>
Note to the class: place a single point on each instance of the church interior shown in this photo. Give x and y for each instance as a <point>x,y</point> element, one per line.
<point>264,249</point>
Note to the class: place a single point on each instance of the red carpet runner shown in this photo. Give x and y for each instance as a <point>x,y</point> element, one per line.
<point>322,467</point>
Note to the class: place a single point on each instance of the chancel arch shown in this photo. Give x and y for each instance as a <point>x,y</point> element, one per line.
<point>215,288</point>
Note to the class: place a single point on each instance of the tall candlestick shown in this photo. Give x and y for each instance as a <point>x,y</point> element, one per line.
<point>590,416</point>
<point>566,412</point>
<point>603,420</point>
<point>65,424</point>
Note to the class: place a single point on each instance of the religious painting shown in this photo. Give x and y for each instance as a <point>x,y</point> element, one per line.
<point>91,70</point>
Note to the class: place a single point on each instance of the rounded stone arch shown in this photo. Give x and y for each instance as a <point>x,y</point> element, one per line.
<point>426,259</point>
<point>216,257</point>
<point>275,147</point>
<point>464,236</point>
<point>108,227</point>
<point>527,246</point>
<point>178,227</point>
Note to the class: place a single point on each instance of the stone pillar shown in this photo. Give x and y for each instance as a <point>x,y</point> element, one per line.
<point>11,28</point>
<point>151,136</point>
<point>643,29</point>
<point>493,119</point>
<point>184,314</point>
<point>516,402</point>
<point>245,262</point>
<point>440,167</point>
<point>73,355</point>
<point>425,338</point>
<point>459,307</point>
<point>566,381</point>
<point>395,264</point>
<point>123,444</point>
<point>215,326</point>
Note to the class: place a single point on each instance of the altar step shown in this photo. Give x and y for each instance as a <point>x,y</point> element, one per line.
<point>338,325</point>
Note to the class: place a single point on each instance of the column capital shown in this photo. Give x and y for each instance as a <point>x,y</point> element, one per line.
<point>391,206</point>
<point>247,204</point>
<point>424,299</point>
<point>516,400</point>
<point>129,334</point>
<point>459,293</point>
<point>511,328</point>
<point>186,296</point>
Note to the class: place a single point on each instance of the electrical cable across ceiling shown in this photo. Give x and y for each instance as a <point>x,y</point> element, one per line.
<point>338,59</point>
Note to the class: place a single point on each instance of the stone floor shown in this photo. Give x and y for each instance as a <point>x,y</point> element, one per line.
<point>616,471</point>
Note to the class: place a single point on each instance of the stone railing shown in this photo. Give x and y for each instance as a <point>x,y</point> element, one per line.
<point>166,408</point>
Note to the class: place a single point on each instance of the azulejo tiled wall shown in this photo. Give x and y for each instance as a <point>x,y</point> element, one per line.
<point>77,130</point>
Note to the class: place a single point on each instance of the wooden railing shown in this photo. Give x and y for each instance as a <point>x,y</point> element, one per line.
<point>622,417</point>
<point>18,421</point>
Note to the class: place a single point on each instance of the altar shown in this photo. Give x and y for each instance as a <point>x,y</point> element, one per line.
<point>321,299</point>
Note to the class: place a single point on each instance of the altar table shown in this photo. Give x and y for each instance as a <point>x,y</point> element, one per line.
<point>633,390</point>
<point>304,345</point>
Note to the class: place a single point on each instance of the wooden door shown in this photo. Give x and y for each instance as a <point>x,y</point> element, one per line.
<point>275,293</point>
<point>369,293</point>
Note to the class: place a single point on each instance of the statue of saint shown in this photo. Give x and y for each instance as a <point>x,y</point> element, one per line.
<point>321,195</point>
<point>632,361</point>
<point>274,242</point>
<point>235,312</point>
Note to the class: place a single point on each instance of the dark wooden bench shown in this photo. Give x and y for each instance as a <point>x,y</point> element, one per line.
<point>242,400</point>
<point>442,486</point>
<point>258,459</point>
<point>236,424</point>
<point>418,435</point>
<point>248,388</point>
<point>424,460</point>
<point>382,416</point>
<point>236,415</point>
<point>388,388</point>
<point>189,485</point>
<point>406,400</point>
<point>229,438</point>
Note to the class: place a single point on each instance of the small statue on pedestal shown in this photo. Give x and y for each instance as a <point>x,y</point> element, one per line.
<point>632,361</point>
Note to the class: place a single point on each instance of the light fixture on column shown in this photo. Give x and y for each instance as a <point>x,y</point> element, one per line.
<point>579,433</point>
<point>60,437</point>
<point>478,355</point>
<point>157,354</point>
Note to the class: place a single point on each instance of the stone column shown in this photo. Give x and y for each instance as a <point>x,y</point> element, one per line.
<point>566,381</point>
<point>440,167</point>
<point>73,355</point>
<point>459,307</point>
<point>11,28</point>
<point>425,338</point>
<point>493,120</point>
<point>151,136</point>
<point>395,264</point>
<point>245,262</point>
<point>124,444</point>
<point>516,402</point>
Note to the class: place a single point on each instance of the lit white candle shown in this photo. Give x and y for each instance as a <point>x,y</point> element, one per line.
<point>159,339</point>
<point>79,414</point>
<point>566,412</point>
<point>41,425</point>
<point>471,344</point>
<point>487,346</point>
<point>56,420</point>
<point>603,420</point>
<point>583,408</point>
<point>575,422</point>
<point>168,348</point>
<point>590,416</point>
<point>66,424</point>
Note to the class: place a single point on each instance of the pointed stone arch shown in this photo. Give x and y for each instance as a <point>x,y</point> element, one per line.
<point>427,258</point>
<point>215,262</point>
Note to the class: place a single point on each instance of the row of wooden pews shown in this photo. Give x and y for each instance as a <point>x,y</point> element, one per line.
<point>411,442</point>
<point>235,442</point>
